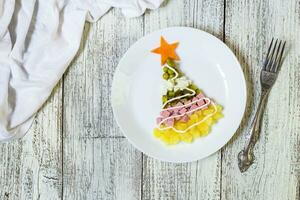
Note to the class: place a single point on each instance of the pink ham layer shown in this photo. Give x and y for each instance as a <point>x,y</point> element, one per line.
<point>173,111</point>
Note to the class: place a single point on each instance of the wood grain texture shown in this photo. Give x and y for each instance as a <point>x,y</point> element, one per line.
<point>98,161</point>
<point>30,168</point>
<point>106,168</point>
<point>250,25</point>
<point>197,180</point>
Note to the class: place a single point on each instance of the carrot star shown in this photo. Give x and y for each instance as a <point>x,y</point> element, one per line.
<point>166,50</point>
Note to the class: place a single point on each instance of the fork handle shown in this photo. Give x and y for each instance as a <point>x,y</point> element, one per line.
<point>246,156</point>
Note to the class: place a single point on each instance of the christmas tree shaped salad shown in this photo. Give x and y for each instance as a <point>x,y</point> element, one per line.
<point>186,113</point>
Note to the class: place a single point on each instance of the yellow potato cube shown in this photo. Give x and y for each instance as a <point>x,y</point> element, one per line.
<point>157,133</point>
<point>204,130</point>
<point>180,126</point>
<point>218,116</point>
<point>208,111</point>
<point>194,117</point>
<point>175,139</point>
<point>200,118</point>
<point>199,113</point>
<point>165,137</point>
<point>195,133</point>
<point>172,137</point>
<point>202,126</point>
<point>209,121</point>
<point>187,137</point>
<point>219,108</point>
<point>172,134</point>
<point>190,122</point>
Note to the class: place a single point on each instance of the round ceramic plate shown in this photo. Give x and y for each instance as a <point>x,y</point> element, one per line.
<point>136,96</point>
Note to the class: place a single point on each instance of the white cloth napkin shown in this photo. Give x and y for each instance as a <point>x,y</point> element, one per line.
<point>38,40</point>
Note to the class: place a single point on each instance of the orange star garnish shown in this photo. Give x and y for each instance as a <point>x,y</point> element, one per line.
<point>166,50</point>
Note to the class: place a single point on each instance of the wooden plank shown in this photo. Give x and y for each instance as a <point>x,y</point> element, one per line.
<point>88,81</point>
<point>30,168</point>
<point>106,168</point>
<point>98,161</point>
<point>198,180</point>
<point>250,25</point>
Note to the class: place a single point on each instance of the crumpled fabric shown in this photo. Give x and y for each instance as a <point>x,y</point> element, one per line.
<point>38,40</point>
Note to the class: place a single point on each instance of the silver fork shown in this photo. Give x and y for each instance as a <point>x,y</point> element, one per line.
<point>268,77</point>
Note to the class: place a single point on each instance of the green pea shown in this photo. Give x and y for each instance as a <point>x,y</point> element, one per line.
<point>171,94</point>
<point>193,87</point>
<point>164,98</point>
<point>166,76</point>
<point>170,62</point>
<point>165,69</point>
<point>171,72</point>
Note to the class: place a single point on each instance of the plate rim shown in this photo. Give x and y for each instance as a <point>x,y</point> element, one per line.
<point>244,86</point>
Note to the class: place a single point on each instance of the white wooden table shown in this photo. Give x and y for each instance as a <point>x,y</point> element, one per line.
<point>76,151</point>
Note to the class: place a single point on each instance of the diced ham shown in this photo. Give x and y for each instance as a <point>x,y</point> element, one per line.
<point>193,107</point>
<point>177,118</point>
<point>158,120</point>
<point>176,110</point>
<point>179,104</point>
<point>200,96</point>
<point>182,111</point>
<point>205,102</point>
<point>187,102</point>
<point>195,99</point>
<point>176,114</point>
<point>165,113</point>
<point>200,103</point>
<point>170,122</point>
<point>204,107</point>
<point>185,118</point>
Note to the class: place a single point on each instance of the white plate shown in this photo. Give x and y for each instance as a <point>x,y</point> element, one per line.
<point>136,98</point>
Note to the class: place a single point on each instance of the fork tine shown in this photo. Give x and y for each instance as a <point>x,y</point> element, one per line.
<point>275,60</point>
<point>268,53</point>
<point>270,47</point>
<point>270,60</point>
<point>280,58</point>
